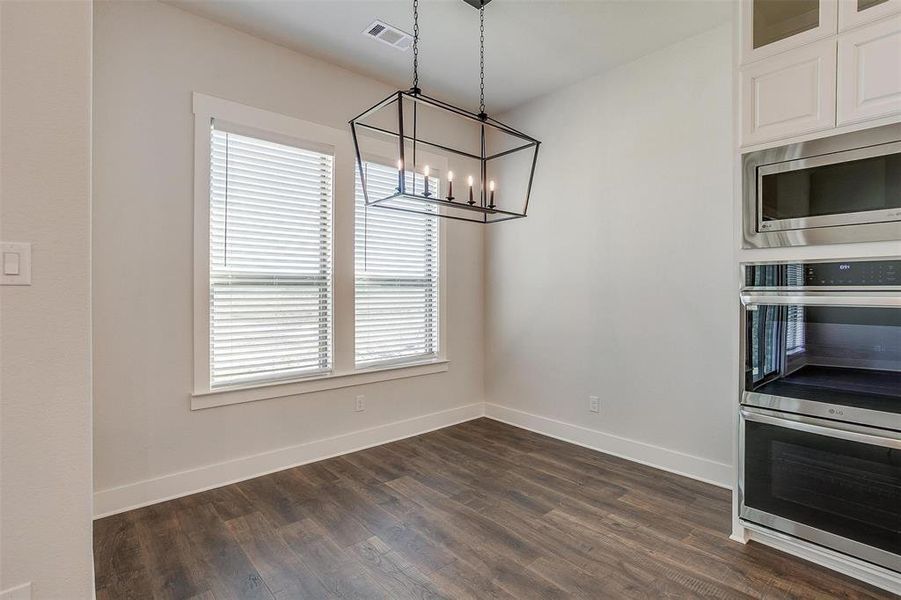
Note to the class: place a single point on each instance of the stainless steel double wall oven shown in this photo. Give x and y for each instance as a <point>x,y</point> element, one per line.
<point>820,438</point>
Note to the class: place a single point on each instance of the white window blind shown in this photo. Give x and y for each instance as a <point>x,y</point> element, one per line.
<point>396,256</point>
<point>270,260</point>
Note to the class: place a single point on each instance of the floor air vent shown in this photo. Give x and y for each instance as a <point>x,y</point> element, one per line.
<point>389,35</point>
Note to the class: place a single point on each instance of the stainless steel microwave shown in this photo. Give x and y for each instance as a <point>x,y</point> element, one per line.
<point>845,188</point>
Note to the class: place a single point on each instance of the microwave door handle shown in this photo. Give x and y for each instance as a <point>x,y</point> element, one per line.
<point>874,300</point>
<point>807,426</point>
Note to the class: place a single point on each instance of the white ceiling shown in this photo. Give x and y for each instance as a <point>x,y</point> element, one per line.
<point>531,47</point>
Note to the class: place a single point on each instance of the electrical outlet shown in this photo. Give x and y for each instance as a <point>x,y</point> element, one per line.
<point>360,404</point>
<point>594,404</point>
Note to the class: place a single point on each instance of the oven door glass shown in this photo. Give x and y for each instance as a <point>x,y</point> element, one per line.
<point>859,186</point>
<point>846,488</point>
<point>834,355</point>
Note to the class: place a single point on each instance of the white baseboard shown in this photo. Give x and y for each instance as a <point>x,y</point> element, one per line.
<point>142,493</point>
<point>864,571</point>
<point>20,592</point>
<point>695,467</point>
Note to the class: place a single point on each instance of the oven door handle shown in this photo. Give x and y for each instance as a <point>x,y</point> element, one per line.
<point>807,425</point>
<point>873,299</point>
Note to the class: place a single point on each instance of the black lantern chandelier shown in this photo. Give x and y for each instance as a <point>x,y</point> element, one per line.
<point>427,140</point>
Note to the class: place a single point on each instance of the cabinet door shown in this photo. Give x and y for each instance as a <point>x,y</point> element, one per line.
<point>769,27</point>
<point>788,95</point>
<point>853,13</point>
<point>869,72</point>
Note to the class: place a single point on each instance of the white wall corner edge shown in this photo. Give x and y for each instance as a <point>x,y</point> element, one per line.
<point>20,592</point>
<point>694,467</point>
<point>175,485</point>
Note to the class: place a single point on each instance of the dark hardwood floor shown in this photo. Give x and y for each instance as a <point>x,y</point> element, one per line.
<point>478,510</point>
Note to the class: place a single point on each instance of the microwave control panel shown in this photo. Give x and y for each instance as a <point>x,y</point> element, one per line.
<point>857,273</point>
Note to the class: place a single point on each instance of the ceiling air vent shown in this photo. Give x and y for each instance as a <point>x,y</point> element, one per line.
<point>389,35</point>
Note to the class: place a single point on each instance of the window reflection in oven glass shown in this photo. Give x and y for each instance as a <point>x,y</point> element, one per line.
<point>835,354</point>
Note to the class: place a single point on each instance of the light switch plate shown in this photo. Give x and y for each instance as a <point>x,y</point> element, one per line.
<point>15,263</point>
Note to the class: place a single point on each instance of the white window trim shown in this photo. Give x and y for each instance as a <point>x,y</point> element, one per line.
<point>343,373</point>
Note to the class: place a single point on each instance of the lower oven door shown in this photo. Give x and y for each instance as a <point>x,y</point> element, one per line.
<point>833,484</point>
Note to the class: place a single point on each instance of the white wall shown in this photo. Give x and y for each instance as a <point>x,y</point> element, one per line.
<point>148,60</point>
<point>621,282</point>
<point>45,191</point>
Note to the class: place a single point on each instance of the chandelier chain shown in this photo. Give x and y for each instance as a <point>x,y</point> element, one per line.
<point>482,57</point>
<point>415,44</point>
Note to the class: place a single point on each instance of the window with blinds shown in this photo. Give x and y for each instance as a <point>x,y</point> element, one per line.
<point>270,260</point>
<point>396,259</point>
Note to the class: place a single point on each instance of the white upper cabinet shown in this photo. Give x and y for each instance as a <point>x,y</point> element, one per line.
<point>869,71</point>
<point>853,13</point>
<point>769,27</point>
<point>789,94</point>
<point>811,66</point>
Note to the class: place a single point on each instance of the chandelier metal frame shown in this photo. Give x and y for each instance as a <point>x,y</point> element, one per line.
<point>482,210</point>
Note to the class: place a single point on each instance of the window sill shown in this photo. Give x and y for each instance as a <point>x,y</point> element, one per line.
<point>238,395</point>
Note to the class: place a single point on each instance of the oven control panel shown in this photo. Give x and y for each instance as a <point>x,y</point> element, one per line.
<point>856,273</point>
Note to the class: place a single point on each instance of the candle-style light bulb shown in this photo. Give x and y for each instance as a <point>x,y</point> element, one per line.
<point>471,201</point>
<point>450,186</point>
<point>491,197</point>
<point>425,173</point>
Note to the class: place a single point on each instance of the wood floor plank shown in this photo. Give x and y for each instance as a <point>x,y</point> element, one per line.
<point>461,581</point>
<point>119,564</point>
<point>170,563</point>
<point>343,527</point>
<point>284,573</point>
<point>230,574</point>
<point>399,577</point>
<point>382,496</point>
<point>268,494</point>
<point>479,510</point>
<point>405,540</point>
<point>480,530</point>
<point>338,571</point>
